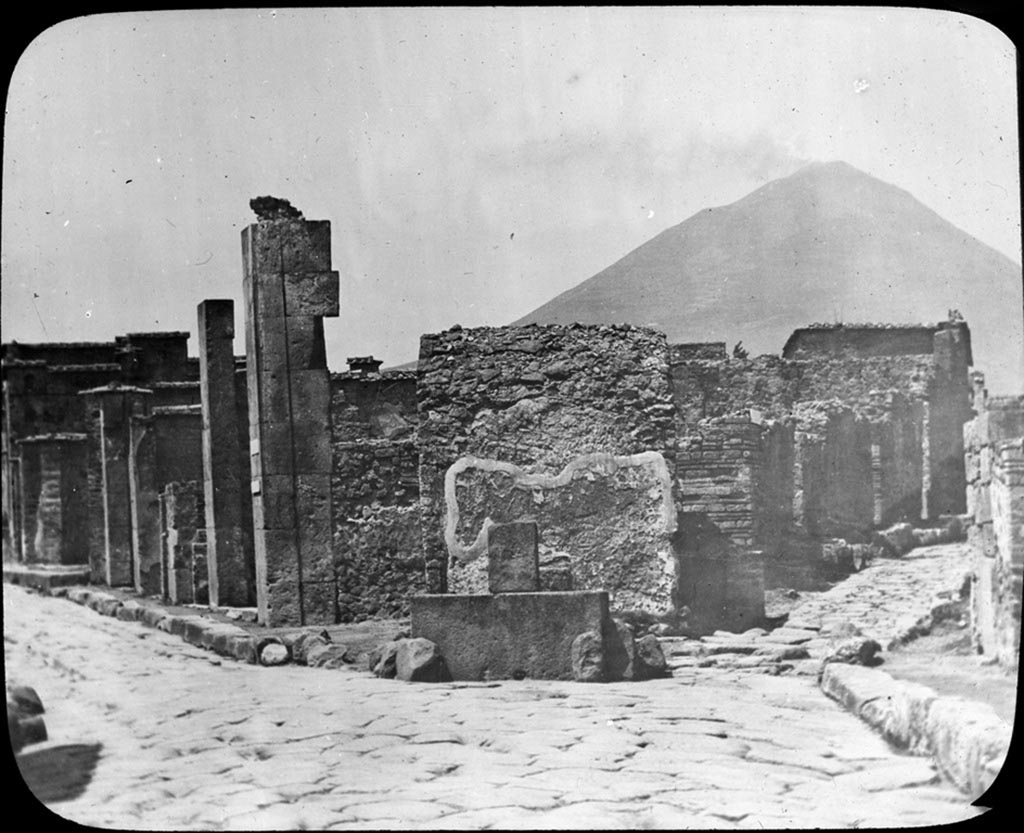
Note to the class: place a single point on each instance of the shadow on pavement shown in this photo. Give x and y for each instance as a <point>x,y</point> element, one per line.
<point>59,773</point>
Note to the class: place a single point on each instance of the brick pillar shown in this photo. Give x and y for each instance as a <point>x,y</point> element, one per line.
<point>110,410</point>
<point>59,535</point>
<point>232,571</point>
<point>289,287</point>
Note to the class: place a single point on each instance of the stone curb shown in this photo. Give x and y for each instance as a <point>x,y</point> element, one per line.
<point>966,739</point>
<point>221,638</point>
<point>41,579</point>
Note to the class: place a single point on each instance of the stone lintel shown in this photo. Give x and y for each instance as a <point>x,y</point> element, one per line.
<point>508,636</point>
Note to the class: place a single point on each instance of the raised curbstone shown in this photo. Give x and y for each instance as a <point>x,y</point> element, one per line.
<point>968,741</point>
<point>242,648</point>
<point>153,616</point>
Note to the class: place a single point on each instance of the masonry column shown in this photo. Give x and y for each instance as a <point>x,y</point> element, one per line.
<point>232,573</point>
<point>110,410</point>
<point>289,287</point>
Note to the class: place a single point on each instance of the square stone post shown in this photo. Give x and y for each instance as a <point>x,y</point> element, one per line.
<point>289,287</point>
<point>29,483</point>
<point>145,506</point>
<point>232,571</point>
<point>111,408</point>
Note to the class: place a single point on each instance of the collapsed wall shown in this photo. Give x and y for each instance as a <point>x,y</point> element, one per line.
<point>571,426</point>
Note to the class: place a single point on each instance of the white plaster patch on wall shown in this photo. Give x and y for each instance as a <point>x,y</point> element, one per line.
<point>600,462</point>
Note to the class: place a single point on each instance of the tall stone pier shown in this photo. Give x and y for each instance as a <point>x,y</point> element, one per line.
<point>289,288</point>
<point>109,412</point>
<point>230,562</point>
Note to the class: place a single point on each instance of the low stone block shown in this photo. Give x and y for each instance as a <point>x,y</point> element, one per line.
<point>418,660</point>
<point>242,648</point>
<point>649,660</point>
<point>383,660</point>
<point>273,652</point>
<point>300,644</point>
<point>512,562</point>
<point>130,612</point>
<point>508,636</point>
<point>969,741</point>
<point>152,616</point>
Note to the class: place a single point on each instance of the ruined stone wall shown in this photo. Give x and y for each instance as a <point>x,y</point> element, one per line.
<point>378,555</point>
<point>374,406</point>
<point>572,426</point>
<point>994,458</point>
<point>185,579</point>
<point>719,494</point>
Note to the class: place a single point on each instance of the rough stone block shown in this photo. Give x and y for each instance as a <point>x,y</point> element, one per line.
<point>509,636</point>
<point>512,562</point>
<point>588,659</point>
<point>419,660</point>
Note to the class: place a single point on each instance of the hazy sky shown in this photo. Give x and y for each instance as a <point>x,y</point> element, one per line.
<point>473,162</point>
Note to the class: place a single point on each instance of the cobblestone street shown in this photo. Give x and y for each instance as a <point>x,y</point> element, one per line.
<point>193,741</point>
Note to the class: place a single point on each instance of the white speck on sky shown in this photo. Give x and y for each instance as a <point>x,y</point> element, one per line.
<point>473,162</point>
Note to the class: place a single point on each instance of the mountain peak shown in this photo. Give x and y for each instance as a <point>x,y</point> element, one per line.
<point>828,242</point>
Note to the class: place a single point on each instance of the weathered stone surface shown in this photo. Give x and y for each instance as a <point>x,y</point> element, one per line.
<point>896,540</point>
<point>383,660</point>
<point>588,657</point>
<point>300,644</point>
<point>419,660</point>
<point>619,651</point>
<point>649,661</point>
<point>274,652</point>
<point>512,563</point>
<point>327,655</point>
<point>969,742</point>
<point>511,635</point>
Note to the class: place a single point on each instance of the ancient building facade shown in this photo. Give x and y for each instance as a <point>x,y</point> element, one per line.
<point>679,478</point>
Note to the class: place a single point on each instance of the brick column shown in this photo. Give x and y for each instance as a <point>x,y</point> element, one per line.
<point>110,410</point>
<point>232,572</point>
<point>289,287</point>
